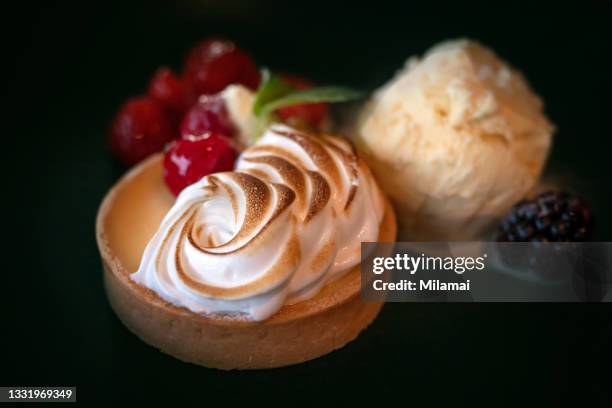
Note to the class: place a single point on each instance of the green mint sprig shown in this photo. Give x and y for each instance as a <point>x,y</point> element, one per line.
<point>275,93</point>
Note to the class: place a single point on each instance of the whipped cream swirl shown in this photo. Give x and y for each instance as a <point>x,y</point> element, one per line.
<point>288,220</point>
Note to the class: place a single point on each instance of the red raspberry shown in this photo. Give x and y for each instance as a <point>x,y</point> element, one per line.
<point>312,114</point>
<point>188,160</point>
<point>140,128</point>
<point>215,63</point>
<point>208,115</point>
<point>170,90</point>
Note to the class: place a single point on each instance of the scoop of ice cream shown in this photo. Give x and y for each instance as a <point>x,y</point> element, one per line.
<point>454,139</point>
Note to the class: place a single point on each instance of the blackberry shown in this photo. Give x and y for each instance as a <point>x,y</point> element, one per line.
<point>549,217</point>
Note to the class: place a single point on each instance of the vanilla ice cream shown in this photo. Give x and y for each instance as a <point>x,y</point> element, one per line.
<point>454,139</point>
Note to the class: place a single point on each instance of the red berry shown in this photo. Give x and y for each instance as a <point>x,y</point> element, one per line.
<point>170,90</point>
<point>140,128</point>
<point>188,160</point>
<point>312,114</point>
<point>208,115</point>
<point>215,63</point>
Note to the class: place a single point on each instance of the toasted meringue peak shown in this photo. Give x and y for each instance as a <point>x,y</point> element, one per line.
<point>289,219</point>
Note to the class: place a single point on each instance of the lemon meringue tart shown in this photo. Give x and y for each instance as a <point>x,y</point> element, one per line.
<point>254,268</point>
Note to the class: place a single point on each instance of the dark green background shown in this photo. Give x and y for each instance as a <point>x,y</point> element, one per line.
<point>75,63</point>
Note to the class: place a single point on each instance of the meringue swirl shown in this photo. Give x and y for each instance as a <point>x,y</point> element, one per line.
<point>288,220</point>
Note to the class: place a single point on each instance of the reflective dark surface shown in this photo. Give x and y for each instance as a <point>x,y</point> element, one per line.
<point>74,65</point>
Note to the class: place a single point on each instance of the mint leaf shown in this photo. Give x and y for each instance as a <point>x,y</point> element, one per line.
<point>272,87</point>
<point>311,95</point>
<point>274,93</point>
